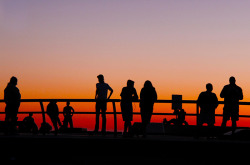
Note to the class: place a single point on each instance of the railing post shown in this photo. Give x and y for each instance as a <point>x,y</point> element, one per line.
<point>197,114</point>
<point>44,120</point>
<point>43,112</point>
<point>115,119</point>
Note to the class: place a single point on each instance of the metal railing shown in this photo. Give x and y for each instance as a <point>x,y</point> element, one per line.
<point>115,113</point>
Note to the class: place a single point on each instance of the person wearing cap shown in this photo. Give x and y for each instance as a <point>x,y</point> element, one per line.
<point>231,94</point>
<point>101,94</point>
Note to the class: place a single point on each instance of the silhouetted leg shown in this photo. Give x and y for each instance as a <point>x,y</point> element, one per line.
<point>224,123</point>
<point>103,121</point>
<point>97,117</point>
<point>145,123</point>
<point>234,125</point>
<point>54,122</point>
<point>65,123</point>
<point>71,122</point>
<point>211,132</point>
<point>125,127</point>
<point>59,121</point>
<point>129,128</point>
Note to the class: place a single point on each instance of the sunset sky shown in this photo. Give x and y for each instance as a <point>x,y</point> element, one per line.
<point>56,48</point>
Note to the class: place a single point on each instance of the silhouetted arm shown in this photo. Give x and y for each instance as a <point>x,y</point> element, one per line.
<point>111,92</point>
<point>155,95</point>
<point>240,94</point>
<point>73,111</point>
<point>96,93</point>
<point>64,112</point>
<point>122,93</point>
<point>215,101</point>
<point>222,94</point>
<point>199,100</point>
<point>135,97</point>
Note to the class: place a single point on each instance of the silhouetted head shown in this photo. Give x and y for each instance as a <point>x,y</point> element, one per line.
<point>68,103</point>
<point>209,87</point>
<point>148,84</point>
<point>130,83</point>
<point>100,78</point>
<point>30,114</point>
<point>232,80</point>
<point>53,101</point>
<point>13,80</point>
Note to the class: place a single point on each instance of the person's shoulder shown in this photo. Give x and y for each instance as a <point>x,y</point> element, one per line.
<point>107,86</point>
<point>213,93</point>
<point>238,87</point>
<point>203,93</point>
<point>16,88</point>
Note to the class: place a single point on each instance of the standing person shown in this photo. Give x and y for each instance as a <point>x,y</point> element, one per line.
<point>208,102</point>
<point>128,95</point>
<point>101,102</point>
<point>68,112</point>
<point>231,94</point>
<point>12,99</point>
<point>53,112</point>
<point>148,96</point>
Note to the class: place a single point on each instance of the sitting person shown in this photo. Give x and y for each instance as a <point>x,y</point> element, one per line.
<point>29,124</point>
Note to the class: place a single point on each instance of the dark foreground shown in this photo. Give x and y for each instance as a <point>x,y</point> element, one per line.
<point>108,150</point>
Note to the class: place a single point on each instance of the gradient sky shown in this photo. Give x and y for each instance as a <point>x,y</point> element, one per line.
<point>56,48</point>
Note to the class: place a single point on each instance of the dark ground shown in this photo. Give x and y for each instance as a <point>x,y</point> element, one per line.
<point>73,149</point>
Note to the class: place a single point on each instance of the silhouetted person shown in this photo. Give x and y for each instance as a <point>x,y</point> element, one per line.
<point>101,102</point>
<point>68,112</point>
<point>53,112</point>
<point>148,96</point>
<point>208,102</point>
<point>128,95</point>
<point>12,99</point>
<point>180,118</point>
<point>29,124</point>
<point>231,94</point>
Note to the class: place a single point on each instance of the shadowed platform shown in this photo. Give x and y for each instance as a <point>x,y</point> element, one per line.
<point>154,149</point>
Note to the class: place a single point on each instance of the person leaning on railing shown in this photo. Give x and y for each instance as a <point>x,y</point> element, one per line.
<point>231,94</point>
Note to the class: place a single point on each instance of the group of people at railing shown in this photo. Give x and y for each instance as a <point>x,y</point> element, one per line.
<point>207,101</point>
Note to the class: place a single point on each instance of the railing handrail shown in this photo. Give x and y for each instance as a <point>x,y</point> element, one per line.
<point>116,100</point>
<point>113,101</point>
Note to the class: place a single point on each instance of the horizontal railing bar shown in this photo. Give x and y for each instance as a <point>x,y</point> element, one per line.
<point>114,100</point>
<point>135,113</point>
